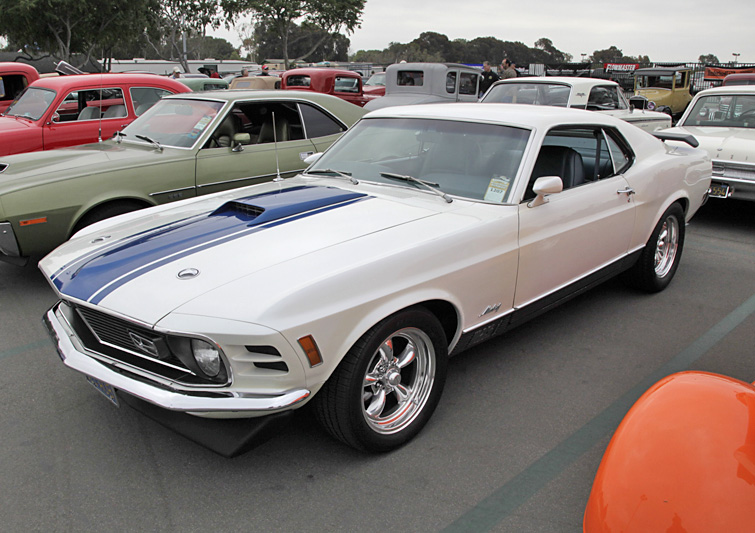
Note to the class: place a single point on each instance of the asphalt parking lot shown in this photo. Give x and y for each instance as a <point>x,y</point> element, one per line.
<point>513,446</point>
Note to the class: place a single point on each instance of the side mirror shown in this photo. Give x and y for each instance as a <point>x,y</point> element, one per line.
<point>314,158</point>
<point>239,140</point>
<point>55,117</point>
<point>544,186</point>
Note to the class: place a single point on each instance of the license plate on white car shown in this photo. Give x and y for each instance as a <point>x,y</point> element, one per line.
<point>107,390</point>
<point>719,190</point>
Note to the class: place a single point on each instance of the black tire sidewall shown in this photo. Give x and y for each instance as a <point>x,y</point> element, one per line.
<point>363,352</point>
<point>643,274</point>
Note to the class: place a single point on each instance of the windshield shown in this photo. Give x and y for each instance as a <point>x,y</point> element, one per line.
<point>552,94</point>
<point>33,103</point>
<point>471,160</point>
<point>376,79</point>
<point>665,81</point>
<point>727,111</point>
<point>174,122</point>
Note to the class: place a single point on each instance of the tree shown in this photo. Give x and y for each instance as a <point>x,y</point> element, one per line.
<point>280,16</point>
<point>62,28</point>
<point>554,54</point>
<point>609,55</point>
<point>175,20</point>
<point>709,59</point>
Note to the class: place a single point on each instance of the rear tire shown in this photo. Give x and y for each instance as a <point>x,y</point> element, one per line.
<point>660,258</point>
<point>387,386</point>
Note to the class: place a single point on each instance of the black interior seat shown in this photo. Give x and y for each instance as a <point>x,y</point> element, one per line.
<point>560,161</point>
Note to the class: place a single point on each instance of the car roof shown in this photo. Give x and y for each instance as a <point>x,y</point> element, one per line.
<point>431,67</point>
<point>320,71</point>
<point>660,71</point>
<point>77,80</point>
<point>511,114</point>
<point>256,94</point>
<point>573,81</point>
<point>8,66</point>
<point>728,89</point>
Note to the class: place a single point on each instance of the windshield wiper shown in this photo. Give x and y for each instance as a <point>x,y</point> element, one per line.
<point>345,175</point>
<point>429,185</point>
<point>151,141</point>
<point>118,134</point>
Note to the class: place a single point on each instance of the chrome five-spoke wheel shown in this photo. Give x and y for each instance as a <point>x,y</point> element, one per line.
<point>399,380</point>
<point>665,250</point>
<point>388,384</point>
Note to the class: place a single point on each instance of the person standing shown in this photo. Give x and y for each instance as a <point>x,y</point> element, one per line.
<point>488,78</point>
<point>507,70</point>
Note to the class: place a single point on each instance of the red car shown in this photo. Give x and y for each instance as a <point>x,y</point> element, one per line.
<point>14,78</point>
<point>342,83</point>
<point>683,459</point>
<point>70,110</point>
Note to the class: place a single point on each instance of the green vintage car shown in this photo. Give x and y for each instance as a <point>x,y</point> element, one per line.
<point>181,147</point>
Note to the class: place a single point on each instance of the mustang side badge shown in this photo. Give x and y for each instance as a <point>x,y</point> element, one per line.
<point>490,309</point>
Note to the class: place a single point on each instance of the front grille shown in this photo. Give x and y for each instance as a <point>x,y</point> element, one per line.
<point>112,336</point>
<point>734,170</point>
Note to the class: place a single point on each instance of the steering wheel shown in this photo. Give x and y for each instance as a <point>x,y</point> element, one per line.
<point>748,113</point>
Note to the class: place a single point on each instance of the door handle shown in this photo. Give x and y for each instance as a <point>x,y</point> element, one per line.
<point>628,191</point>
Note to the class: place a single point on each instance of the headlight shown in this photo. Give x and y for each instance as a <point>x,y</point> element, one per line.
<point>207,357</point>
<point>202,357</point>
<point>651,106</point>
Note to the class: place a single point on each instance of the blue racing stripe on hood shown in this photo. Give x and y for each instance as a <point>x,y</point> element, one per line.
<point>94,277</point>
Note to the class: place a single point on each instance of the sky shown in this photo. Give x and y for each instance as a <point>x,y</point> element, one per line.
<point>664,30</point>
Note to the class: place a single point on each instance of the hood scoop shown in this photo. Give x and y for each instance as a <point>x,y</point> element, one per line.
<point>93,277</point>
<point>275,205</point>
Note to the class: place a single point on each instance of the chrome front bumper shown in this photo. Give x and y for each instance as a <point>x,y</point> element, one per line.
<point>75,356</point>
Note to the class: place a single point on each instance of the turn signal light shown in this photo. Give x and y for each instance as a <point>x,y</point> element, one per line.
<point>33,221</point>
<point>310,348</point>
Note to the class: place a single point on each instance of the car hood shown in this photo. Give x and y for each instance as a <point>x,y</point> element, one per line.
<point>269,239</point>
<point>728,144</point>
<point>11,126</point>
<point>35,168</point>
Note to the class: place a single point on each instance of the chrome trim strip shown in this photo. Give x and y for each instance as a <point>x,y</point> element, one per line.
<point>262,176</point>
<point>184,401</point>
<point>572,282</point>
<point>172,191</point>
<point>488,321</point>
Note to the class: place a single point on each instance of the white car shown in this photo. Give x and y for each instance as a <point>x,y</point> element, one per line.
<point>603,96</point>
<point>423,231</point>
<point>723,122</point>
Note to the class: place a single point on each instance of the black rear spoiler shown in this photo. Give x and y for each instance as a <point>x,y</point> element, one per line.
<point>683,137</point>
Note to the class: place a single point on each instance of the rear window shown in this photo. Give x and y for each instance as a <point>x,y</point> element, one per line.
<point>298,80</point>
<point>410,78</point>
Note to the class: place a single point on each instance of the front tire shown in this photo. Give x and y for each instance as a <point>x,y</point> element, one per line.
<point>388,384</point>
<point>660,258</point>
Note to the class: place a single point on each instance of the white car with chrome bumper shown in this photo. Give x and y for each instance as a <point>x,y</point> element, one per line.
<point>423,231</point>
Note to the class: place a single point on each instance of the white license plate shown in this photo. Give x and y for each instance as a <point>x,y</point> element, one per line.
<point>107,390</point>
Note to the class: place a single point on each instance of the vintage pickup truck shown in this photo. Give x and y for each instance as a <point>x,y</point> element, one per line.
<point>14,78</point>
<point>424,83</point>
<point>342,83</point>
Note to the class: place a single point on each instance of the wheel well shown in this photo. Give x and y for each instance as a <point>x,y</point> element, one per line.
<point>86,217</point>
<point>446,314</point>
<point>684,203</point>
